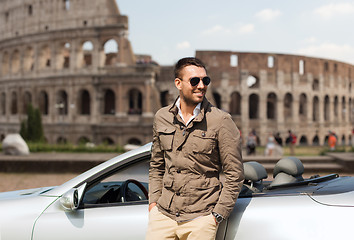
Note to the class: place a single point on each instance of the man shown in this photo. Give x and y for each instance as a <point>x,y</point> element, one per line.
<point>291,140</point>
<point>332,140</point>
<point>193,142</point>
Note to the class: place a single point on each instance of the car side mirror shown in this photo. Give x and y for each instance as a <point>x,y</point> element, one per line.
<point>71,199</point>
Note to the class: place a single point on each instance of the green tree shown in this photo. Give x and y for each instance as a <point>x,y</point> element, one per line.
<point>32,128</point>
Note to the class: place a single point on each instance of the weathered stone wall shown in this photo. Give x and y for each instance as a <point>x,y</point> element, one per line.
<point>310,96</point>
<point>73,60</point>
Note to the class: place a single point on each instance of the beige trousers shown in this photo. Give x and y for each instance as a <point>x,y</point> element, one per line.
<point>162,227</point>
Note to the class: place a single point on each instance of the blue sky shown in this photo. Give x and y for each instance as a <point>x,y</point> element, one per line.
<point>168,30</point>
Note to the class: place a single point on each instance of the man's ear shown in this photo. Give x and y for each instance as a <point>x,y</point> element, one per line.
<point>178,83</point>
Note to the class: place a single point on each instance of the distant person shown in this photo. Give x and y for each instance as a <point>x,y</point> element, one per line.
<point>278,139</point>
<point>278,149</point>
<point>251,143</point>
<point>332,140</point>
<point>270,145</point>
<point>291,141</point>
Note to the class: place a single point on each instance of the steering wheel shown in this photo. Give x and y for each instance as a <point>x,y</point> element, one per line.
<point>123,190</point>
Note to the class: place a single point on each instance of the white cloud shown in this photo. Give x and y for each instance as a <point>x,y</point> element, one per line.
<point>183,45</point>
<point>334,9</point>
<point>246,28</point>
<point>343,53</point>
<point>268,14</point>
<point>217,29</point>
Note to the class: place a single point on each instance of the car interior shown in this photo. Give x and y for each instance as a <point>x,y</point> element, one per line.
<point>287,173</point>
<point>130,185</point>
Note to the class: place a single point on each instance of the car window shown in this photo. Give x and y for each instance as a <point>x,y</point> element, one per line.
<point>127,185</point>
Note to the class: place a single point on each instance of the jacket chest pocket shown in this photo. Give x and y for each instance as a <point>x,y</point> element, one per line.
<point>204,142</point>
<point>166,138</point>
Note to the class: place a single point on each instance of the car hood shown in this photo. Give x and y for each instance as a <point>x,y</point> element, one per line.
<point>338,192</point>
<point>23,193</point>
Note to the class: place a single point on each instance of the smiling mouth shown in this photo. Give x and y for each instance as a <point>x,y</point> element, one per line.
<point>200,93</point>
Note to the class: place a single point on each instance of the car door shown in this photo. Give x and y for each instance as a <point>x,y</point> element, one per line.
<point>104,223</point>
<point>106,211</point>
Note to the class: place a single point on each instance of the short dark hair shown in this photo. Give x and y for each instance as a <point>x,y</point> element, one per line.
<point>184,62</point>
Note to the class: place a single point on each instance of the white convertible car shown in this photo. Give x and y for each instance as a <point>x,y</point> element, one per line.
<point>110,202</point>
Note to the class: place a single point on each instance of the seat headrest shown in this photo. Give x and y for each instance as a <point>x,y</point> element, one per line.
<point>290,165</point>
<point>254,171</point>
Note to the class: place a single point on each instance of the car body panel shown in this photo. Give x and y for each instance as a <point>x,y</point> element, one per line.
<point>18,215</point>
<point>114,222</point>
<point>293,218</point>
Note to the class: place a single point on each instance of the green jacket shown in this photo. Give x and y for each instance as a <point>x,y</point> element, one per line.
<point>184,175</point>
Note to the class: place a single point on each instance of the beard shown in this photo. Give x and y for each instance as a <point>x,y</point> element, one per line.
<point>190,101</point>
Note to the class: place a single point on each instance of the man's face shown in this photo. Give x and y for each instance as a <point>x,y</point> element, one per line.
<point>189,94</point>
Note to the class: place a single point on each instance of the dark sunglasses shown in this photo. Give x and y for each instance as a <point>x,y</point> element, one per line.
<point>194,81</point>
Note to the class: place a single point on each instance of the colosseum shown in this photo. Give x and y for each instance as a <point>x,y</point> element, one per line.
<point>72,59</point>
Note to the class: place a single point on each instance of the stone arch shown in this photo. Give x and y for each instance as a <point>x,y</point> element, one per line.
<point>326,139</point>
<point>303,140</point>
<point>235,103</point>
<point>252,81</point>
<point>335,106</point>
<point>86,54</point>
<point>135,101</point>
<point>3,103</point>
<point>135,141</point>
<point>288,106</point>
<point>164,98</point>
<point>326,112</point>
<point>83,140</point>
<point>350,110</point>
<point>14,102</point>
<point>44,57</point>
<point>63,55</point>
<point>84,102</point>
<point>109,102</point>
<point>62,102</point>
<point>253,103</point>
<point>316,85</point>
<point>271,106</point>
<point>15,61</point>
<point>107,141</point>
<point>27,100</point>
<point>43,102</point>
<point>316,141</point>
<point>303,107</point>
<point>111,52</point>
<point>28,60</point>
<point>5,64</point>
<point>62,140</point>
<point>316,109</point>
<point>343,140</point>
<point>343,108</point>
<point>217,99</point>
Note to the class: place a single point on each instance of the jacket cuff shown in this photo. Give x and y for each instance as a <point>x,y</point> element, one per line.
<point>222,211</point>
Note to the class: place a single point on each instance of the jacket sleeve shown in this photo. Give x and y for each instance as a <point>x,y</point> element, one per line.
<point>157,168</point>
<point>229,142</point>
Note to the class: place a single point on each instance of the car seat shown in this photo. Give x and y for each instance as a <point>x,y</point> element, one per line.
<point>254,175</point>
<point>287,170</point>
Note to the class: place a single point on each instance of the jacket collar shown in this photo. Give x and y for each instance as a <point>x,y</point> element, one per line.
<point>203,109</point>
